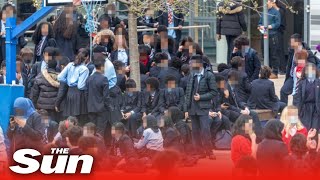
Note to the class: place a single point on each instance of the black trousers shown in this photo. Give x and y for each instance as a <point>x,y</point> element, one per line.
<point>286,90</point>
<point>3,49</point>
<point>283,60</point>
<point>274,53</point>
<point>201,134</point>
<point>230,43</point>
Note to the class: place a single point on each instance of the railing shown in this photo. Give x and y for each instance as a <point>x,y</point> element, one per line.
<point>183,27</point>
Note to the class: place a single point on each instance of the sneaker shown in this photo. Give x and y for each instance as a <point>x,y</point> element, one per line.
<point>274,76</point>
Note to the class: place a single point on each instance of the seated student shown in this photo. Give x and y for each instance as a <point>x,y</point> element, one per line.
<point>45,90</point>
<point>48,54</point>
<point>292,124</point>
<point>131,107</point>
<point>173,69</point>
<point>263,94</point>
<point>171,95</point>
<point>185,71</point>
<point>26,129</point>
<point>144,59</point>
<point>121,74</point>
<point>127,150</point>
<point>272,149</point>
<point>244,139</point>
<point>72,136</point>
<point>183,128</point>
<point>171,136</point>
<point>64,125</point>
<point>98,96</point>
<point>151,99</point>
<point>155,70</point>
<point>243,85</point>
<point>233,108</point>
<point>90,129</point>
<point>51,126</point>
<point>62,92</point>
<point>152,141</point>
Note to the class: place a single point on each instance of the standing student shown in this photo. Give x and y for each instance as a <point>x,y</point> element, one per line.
<point>263,94</point>
<point>120,51</point>
<point>272,149</point>
<point>274,21</point>
<point>45,90</point>
<point>185,71</point>
<point>200,90</point>
<point>152,141</point>
<point>231,23</point>
<point>300,59</point>
<point>308,97</point>
<point>75,75</point>
<point>98,97</point>
<point>42,37</point>
<point>131,107</point>
<point>244,139</point>
<point>292,124</point>
<point>26,129</point>
<point>65,34</point>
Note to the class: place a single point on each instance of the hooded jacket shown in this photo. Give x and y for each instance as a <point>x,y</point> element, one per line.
<point>45,90</point>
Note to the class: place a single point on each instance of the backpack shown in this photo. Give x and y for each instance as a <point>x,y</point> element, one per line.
<point>223,140</point>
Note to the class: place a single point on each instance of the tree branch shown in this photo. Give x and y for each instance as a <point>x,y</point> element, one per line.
<point>124,2</point>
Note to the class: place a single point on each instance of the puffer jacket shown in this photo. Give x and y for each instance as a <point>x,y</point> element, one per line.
<point>230,20</point>
<point>44,92</point>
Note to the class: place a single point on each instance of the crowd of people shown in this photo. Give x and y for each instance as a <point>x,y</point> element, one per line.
<point>89,103</point>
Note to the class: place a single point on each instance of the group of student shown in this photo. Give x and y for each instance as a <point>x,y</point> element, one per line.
<point>89,103</point>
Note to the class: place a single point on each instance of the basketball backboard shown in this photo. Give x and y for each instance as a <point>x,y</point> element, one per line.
<point>64,2</point>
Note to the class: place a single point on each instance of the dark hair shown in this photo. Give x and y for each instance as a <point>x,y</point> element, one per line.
<point>273,130</point>
<point>81,57</point>
<point>18,58</point>
<point>52,64</point>
<point>98,61</point>
<point>186,39</point>
<point>73,119</point>
<point>4,7</point>
<point>3,64</point>
<point>198,49</point>
<point>222,67</point>
<point>64,60</point>
<point>206,62</point>
<point>51,18</point>
<point>87,142</point>
<point>119,126</point>
<point>130,83</point>
<point>196,57</point>
<point>50,50</point>
<point>152,123</point>
<point>144,49</point>
<point>238,127</point>
<point>162,28</point>
<point>160,56</point>
<point>265,72</point>
<point>176,114</point>
<point>298,145</point>
<point>170,78</point>
<point>153,82</point>
<point>91,125</point>
<point>36,37</point>
<point>219,78</point>
<point>236,62</point>
<point>167,121</point>
<point>304,71</point>
<point>185,68</point>
<point>176,63</point>
<point>61,26</point>
<point>123,30</point>
<point>74,134</point>
<point>118,65</point>
<point>240,41</point>
<point>43,112</point>
<point>234,75</point>
<point>57,51</point>
<point>297,37</point>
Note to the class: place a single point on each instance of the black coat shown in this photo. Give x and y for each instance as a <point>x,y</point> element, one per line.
<point>151,106</point>
<point>207,89</point>
<point>232,100</point>
<point>184,82</point>
<point>141,21</point>
<point>126,147</point>
<point>45,90</point>
<point>173,98</point>
<point>154,71</point>
<point>47,43</point>
<point>98,93</point>
<point>121,82</point>
<point>178,20</point>
<point>31,136</point>
<point>62,92</point>
<point>252,63</point>
<point>243,88</point>
<point>67,46</point>
<point>52,130</point>
<point>263,95</point>
<point>113,20</point>
<point>231,23</point>
<point>171,139</point>
<point>131,103</point>
<point>35,70</point>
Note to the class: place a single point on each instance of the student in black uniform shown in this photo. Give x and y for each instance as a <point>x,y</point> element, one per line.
<point>131,107</point>
<point>151,99</point>
<point>172,95</point>
<point>98,96</point>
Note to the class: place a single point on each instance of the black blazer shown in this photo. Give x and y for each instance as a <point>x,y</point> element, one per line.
<point>243,88</point>
<point>178,19</point>
<point>131,103</point>
<point>47,43</point>
<point>300,96</point>
<point>98,93</point>
<point>142,22</point>
<point>170,71</point>
<point>263,95</point>
<point>173,98</point>
<point>153,107</point>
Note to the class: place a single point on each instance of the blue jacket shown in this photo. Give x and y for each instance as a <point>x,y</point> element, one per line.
<point>274,19</point>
